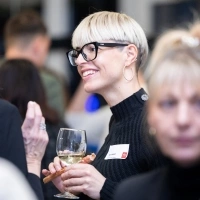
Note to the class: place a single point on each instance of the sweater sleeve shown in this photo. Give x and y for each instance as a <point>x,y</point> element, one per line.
<point>11,140</point>
<point>107,190</point>
<point>35,184</point>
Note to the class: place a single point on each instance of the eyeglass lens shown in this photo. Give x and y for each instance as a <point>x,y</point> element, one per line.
<point>72,56</point>
<point>88,52</point>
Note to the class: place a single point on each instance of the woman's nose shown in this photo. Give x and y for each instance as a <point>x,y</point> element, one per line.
<point>183,114</point>
<point>80,59</point>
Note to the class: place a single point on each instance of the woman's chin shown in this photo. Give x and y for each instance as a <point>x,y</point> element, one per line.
<point>89,88</point>
<point>186,160</point>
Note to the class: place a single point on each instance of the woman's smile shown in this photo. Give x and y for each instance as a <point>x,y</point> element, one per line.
<point>89,72</point>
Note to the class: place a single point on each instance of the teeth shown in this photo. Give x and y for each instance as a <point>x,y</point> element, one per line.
<point>89,72</point>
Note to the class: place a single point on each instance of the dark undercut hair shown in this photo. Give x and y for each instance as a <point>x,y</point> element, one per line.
<point>24,27</point>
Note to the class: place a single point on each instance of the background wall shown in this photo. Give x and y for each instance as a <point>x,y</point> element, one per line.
<point>142,11</point>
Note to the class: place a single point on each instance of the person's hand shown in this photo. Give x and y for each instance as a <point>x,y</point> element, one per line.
<point>83,178</point>
<point>35,137</point>
<point>58,167</point>
<point>55,166</point>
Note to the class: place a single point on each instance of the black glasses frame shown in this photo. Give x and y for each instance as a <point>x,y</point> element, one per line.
<point>96,45</point>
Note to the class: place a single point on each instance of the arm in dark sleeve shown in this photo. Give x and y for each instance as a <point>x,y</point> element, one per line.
<point>108,189</point>
<point>12,144</point>
<point>35,183</point>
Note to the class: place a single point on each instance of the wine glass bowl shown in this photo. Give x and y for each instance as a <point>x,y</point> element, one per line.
<point>71,148</point>
<point>71,145</point>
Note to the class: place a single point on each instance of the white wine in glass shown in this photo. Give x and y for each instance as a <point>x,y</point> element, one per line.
<point>71,148</point>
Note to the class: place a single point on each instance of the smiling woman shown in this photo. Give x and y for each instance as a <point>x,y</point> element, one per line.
<point>108,50</point>
<point>174,117</point>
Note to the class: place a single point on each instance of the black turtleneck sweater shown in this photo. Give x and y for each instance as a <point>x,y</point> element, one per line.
<point>127,126</point>
<point>168,183</point>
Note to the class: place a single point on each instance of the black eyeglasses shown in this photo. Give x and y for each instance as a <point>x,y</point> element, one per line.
<point>89,51</point>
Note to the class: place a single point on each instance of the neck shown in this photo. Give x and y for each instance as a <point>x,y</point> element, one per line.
<point>15,52</point>
<point>115,95</point>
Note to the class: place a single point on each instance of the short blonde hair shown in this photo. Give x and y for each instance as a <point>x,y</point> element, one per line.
<point>115,26</point>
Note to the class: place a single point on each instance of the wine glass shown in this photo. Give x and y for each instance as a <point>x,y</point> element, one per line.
<point>71,148</point>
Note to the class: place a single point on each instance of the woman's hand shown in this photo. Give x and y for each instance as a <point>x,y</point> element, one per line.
<point>77,178</point>
<point>54,167</point>
<point>35,137</point>
<point>83,178</point>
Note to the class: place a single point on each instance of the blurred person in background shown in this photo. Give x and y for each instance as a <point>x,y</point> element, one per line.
<point>23,144</point>
<point>108,50</point>
<point>174,120</point>
<point>194,28</point>
<point>20,188</point>
<point>26,36</point>
<point>20,83</point>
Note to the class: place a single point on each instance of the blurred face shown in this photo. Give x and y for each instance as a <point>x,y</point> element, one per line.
<point>174,111</point>
<point>104,73</point>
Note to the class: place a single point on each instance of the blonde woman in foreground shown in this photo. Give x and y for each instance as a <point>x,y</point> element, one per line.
<point>174,119</point>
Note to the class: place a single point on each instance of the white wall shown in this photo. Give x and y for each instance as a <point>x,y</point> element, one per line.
<point>56,15</point>
<point>141,11</point>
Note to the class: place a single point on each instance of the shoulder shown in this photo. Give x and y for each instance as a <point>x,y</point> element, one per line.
<point>7,107</point>
<point>144,178</point>
<point>51,81</point>
<point>139,186</point>
<point>10,117</point>
<point>48,74</point>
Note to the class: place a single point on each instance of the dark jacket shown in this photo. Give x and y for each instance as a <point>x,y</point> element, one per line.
<point>168,183</point>
<point>12,145</point>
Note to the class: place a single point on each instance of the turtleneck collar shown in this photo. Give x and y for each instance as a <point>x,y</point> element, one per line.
<point>129,105</point>
<point>185,177</point>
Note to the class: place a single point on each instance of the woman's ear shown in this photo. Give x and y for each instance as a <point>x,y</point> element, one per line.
<point>150,116</point>
<point>132,53</point>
